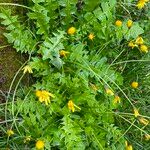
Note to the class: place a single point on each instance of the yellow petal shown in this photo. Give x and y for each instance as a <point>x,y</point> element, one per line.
<point>117,99</point>
<point>91,36</point>
<point>39,144</point>
<point>71,30</point>
<point>139,41</point>
<point>134,84</point>
<point>118,23</point>
<point>144,48</point>
<point>143,121</point>
<point>129,23</point>
<point>147,137</point>
<point>109,92</point>
<point>136,112</point>
<point>10,132</point>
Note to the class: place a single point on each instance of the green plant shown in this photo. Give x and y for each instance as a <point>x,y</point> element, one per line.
<point>85,74</point>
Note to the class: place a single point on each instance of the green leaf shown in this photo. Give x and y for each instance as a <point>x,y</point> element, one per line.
<point>134,32</point>
<point>50,47</point>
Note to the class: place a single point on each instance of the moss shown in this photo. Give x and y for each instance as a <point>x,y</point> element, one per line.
<point>9,64</point>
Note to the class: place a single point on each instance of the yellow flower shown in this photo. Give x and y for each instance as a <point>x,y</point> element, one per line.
<point>26,69</point>
<point>143,121</point>
<point>128,146</point>
<point>39,145</point>
<point>126,143</point>
<point>144,48</point>
<point>129,23</point>
<point>71,106</point>
<point>118,23</point>
<point>109,92</point>
<point>71,30</point>
<point>147,137</point>
<point>44,96</point>
<point>139,41</point>
<point>63,53</point>
<point>136,112</point>
<point>27,139</point>
<point>116,99</point>
<point>91,36</point>
<point>10,132</point>
<point>132,45</point>
<point>134,84</point>
<point>141,3</point>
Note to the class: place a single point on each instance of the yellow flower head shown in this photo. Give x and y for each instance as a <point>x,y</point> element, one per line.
<point>117,99</point>
<point>128,146</point>
<point>134,84</point>
<point>147,137</point>
<point>136,112</point>
<point>71,106</point>
<point>144,48</point>
<point>109,92</point>
<point>143,121</point>
<point>44,96</point>
<point>129,23</point>
<point>91,36</point>
<point>118,23</point>
<point>141,3</point>
<point>39,145</point>
<point>63,53</point>
<point>10,132</point>
<point>139,41</point>
<point>71,30</point>
<point>28,69</point>
<point>132,45</point>
<point>27,139</point>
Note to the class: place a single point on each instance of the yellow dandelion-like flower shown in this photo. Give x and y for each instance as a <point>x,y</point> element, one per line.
<point>71,30</point>
<point>144,48</point>
<point>39,145</point>
<point>132,45</point>
<point>134,84</point>
<point>28,69</point>
<point>118,23</point>
<point>139,41</point>
<point>117,99</point>
<point>147,137</point>
<point>10,132</point>
<point>136,112</point>
<point>129,23</point>
<point>63,53</point>
<point>141,4</point>
<point>44,96</point>
<point>109,92</point>
<point>91,36</point>
<point>143,121</point>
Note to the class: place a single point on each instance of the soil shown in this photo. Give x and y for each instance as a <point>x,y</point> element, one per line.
<point>10,60</point>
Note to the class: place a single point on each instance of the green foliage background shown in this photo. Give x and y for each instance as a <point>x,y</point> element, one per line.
<point>106,62</point>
